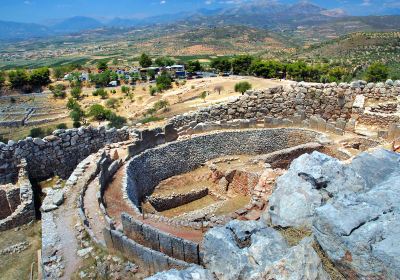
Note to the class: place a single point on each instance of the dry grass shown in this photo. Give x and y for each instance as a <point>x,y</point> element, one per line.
<point>328,265</point>
<point>18,265</point>
<point>293,236</point>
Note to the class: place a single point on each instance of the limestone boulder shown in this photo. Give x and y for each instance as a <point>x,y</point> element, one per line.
<point>252,250</point>
<point>301,262</point>
<point>359,232</point>
<point>192,273</point>
<point>311,180</point>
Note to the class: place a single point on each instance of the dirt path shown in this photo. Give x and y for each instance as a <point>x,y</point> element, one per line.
<point>116,205</point>
<point>66,218</point>
<point>92,210</point>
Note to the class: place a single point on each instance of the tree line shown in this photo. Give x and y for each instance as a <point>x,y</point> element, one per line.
<point>297,70</point>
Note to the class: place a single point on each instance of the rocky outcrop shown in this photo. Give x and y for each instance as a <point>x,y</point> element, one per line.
<point>360,231</point>
<point>310,182</point>
<point>192,273</point>
<point>353,209</point>
<point>251,250</point>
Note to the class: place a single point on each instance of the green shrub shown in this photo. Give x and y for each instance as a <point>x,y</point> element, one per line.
<point>116,121</point>
<point>62,126</point>
<point>377,72</point>
<point>100,92</point>
<point>164,81</point>
<point>112,103</point>
<point>76,124</point>
<point>150,119</point>
<point>76,92</point>
<point>242,87</point>
<point>37,132</point>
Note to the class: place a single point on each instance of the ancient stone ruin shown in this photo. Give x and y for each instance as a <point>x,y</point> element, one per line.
<point>285,183</point>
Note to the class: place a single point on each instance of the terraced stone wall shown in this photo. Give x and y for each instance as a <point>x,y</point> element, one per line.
<point>57,154</point>
<point>332,102</point>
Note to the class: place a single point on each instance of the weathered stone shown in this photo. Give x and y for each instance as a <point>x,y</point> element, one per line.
<point>194,272</point>
<point>310,181</point>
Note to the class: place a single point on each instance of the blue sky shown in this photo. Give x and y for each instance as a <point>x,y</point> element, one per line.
<point>42,10</point>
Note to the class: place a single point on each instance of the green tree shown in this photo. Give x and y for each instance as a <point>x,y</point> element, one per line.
<point>241,64</point>
<point>40,77</point>
<point>164,61</point>
<point>76,92</point>
<point>221,64</point>
<point>18,78</point>
<point>267,69</point>
<point>376,72</point>
<point>164,81</point>
<point>59,72</point>
<point>102,65</point>
<point>2,79</point>
<point>297,71</point>
<point>193,66</point>
<point>145,60</point>
<point>58,91</point>
<point>98,112</point>
<point>72,104</point>
<point>242,87</point>
<point>103,79</point>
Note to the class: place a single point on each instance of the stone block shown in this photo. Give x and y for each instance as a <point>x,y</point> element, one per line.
<point>171,134</point>
<point>165,243</point>
<point>351,125</point>
<point>132,228</point>
<point>178,248</point>
<point>108,238</point>
<point>191,250</point>
<point>117,242</point>
<point>394,132</point>
<point>383,134</point>
<point>160,261</point>
<point>5,210</point>
<point>341,124</point>
<point>150,236</point>
<point>177,264</point>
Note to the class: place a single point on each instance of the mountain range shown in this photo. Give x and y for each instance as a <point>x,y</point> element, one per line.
<point>263,14</point>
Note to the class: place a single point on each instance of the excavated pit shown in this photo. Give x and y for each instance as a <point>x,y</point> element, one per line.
<point>212,177</point>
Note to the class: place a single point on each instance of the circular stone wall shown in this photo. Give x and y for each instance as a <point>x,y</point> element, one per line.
<point>146,170</point>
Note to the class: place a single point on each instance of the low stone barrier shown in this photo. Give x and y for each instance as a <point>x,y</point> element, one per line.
<point>149,260</point>
<point>155,239</point>
<point>175,200</point>
<point>282,158</point>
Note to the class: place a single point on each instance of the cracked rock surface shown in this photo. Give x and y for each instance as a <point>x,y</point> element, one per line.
<point>251,250</point>
<point>352,209</point>
<point>311,180</point>
<point>360,232</point>
<point>194,272</point>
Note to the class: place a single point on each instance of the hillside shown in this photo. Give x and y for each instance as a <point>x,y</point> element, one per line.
<point>127,44</point>
<point>360,47</point>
